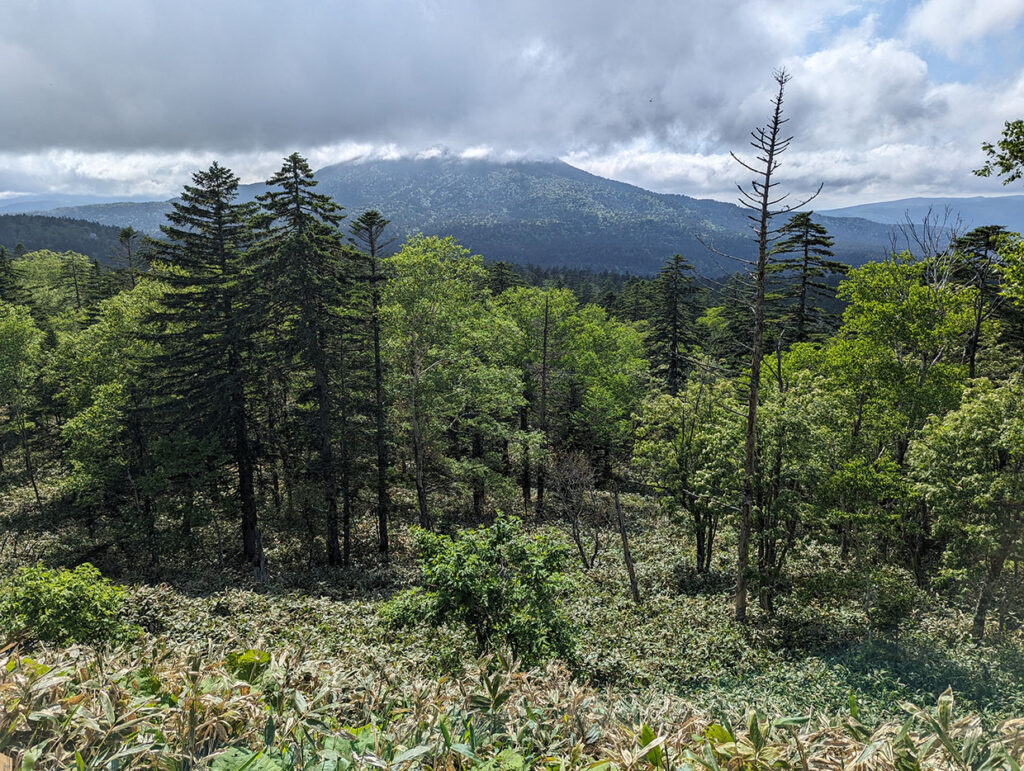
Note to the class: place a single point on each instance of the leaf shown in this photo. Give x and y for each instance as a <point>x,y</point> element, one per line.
<point>411,754</point>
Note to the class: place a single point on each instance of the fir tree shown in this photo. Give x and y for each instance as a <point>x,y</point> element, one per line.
<point>809,246</point>
<point>672,321</point>
<point>205,367</point>
<point>977,265</point>
<point>302,272</point>
<point>367,233</point>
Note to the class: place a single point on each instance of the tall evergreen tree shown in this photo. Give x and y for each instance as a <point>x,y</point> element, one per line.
<point>204,370</point>
<point>502,275</point>
<point>130,253</point>
<point>11,290</point>
<point>802,252</point>
<point>368,234</point>
<point>978,265</point>
<point>302,272</point>
<point>672,320</point>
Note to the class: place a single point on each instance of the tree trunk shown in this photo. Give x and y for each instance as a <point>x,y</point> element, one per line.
<point>524,426</point>
<point>246,489</point>
<point>419,461</point>
<point>478,479</point>
<point>539,506</point>
<point>625,545</point>
<point>380,438</point>
<point>995,569</point>
<point>30,468</point>
<point>698,529</point>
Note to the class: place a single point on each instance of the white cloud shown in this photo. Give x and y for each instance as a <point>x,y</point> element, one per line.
<point>131,96</point>
<point>951,24</point>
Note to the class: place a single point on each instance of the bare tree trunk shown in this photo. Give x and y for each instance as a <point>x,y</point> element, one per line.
<point>769,142</point>
<point>479,491</point>
<point>625,545</point>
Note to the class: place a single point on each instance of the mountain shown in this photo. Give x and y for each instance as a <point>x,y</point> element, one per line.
<point>545,213</point>
<point>973,212</point>
<point>36,202</point>
<point>59,234</point>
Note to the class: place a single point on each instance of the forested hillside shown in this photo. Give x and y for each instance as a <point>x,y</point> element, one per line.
<point>544,213</point>
<point>287,490</point>
<point>31,232</point>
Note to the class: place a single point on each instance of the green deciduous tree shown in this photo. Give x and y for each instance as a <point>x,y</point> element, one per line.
<point>1006,157</point>
<point>443,344</point>
<point>969,466</point>
<point>20,346</point>
<point>689,449</point>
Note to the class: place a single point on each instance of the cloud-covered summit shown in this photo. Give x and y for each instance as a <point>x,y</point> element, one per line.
<point>131,95</point>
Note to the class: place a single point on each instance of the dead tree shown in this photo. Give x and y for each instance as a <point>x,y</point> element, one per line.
<point>572,490</point>
<point>761,198</point>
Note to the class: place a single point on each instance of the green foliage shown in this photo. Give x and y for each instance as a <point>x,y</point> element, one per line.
<point>1006,157</point>
<point>499,581</point>
<point>890,598</point>
<point>63,606</point>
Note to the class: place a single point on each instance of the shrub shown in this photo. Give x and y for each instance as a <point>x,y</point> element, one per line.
<point>891,597</point>
<point>499,581</point>
<point>62,606</point>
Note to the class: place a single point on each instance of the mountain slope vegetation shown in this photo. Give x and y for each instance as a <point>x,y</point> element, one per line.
<point>543,213</point>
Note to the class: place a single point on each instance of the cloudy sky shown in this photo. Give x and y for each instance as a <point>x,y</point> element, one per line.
<point>888,99</point>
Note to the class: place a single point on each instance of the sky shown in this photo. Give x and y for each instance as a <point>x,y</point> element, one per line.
<point>887,99</point>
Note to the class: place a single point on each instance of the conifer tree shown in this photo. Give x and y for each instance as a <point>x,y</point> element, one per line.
<point>205,367</point>
<point>502,275</point>
<point>302,272</point>
<point>367,233</point>
<point>809,246</point>
<point>11,290</point>
<point>130,253</point>
<point>672,320</point>
<point>978,265</point>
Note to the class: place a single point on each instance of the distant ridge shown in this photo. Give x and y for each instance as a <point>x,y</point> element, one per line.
<point>543,212</point>
<point>59,234</point>
<point>973,212</point>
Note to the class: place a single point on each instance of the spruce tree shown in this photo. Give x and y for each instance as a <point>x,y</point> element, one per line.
<point>205,367</point>
<point>978,265</point>
<point>672,321</point>
<point>808,246</point>
<point>303,272</point>
<point>367,234</point>
<point>11,289</point>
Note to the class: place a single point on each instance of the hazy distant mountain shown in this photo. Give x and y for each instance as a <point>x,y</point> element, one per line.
<point>973,212</point>
<point>546,213</point>
<point>36,202</point>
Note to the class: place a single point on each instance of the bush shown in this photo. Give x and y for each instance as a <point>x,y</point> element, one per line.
<point>62,606</point>
<point>499,581</point>
<point>891,597</point>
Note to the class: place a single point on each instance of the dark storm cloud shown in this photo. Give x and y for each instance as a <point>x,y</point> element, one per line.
<point>546,77</point>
